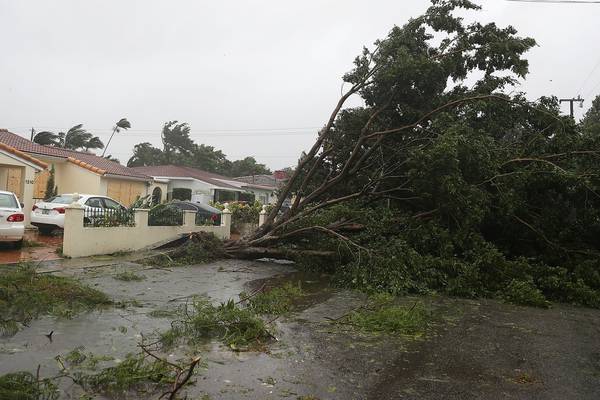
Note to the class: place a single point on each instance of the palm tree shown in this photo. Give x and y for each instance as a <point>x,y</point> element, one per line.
<point>122,124</point>
<point>46,138</point>
<point>94,143</point>
<point>76,138</point>
<point>111,158</point>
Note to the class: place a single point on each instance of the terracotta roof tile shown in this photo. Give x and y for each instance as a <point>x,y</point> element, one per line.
<point>109,167</point>
<point>22,155</point>
<point>177,171</point>
<point>86,166</point>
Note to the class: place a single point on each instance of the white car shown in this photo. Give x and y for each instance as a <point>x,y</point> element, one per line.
<point>12,219</point>
<point>50,214</point>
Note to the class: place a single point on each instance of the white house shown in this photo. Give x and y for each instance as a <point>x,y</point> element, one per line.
<point>204,187</point>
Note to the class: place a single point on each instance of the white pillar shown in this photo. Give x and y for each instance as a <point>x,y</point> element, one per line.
<point>262,216</point>
<point>226,221</point>
<point>73,229</point>
<point>141,217</point>
<point>28,186</point>
<point>189,218</point>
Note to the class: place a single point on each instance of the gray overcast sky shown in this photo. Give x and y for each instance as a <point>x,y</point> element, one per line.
<point>250,77</point>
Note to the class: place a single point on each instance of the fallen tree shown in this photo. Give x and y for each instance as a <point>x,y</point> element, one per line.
<point>445,180</point>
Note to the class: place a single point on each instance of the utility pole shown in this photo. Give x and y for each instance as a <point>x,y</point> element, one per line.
<point>571,101</point>
<point>32,133</point>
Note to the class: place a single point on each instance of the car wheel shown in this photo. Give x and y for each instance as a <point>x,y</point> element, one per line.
<point>18,245</point>
<point>46,231</point>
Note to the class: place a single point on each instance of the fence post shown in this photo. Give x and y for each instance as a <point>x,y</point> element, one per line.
<point>73,229</point>
<point>226,220</point>
<point>141,217</point>
<point>262,216</point>
<point>189,218</point>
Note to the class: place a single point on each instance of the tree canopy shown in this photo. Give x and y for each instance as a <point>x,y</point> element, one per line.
<point>445,180</point>
<point>179,149</point>
<point>76,138</point>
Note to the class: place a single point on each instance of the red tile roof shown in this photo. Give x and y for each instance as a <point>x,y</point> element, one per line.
<point>93,161</point>
<point>177,171</point>
<point>22,155</point>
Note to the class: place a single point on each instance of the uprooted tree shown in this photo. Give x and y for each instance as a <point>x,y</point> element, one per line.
<point>442,180</point>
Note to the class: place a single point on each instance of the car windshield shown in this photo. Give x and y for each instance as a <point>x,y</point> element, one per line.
<point>62,199</point>
<point>8,201</point>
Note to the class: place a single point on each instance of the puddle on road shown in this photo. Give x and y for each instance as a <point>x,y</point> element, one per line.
<point>44,249</point>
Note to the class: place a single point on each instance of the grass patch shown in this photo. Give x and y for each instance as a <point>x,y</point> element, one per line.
<point>382,315</point>
<point>25,295</point>
<point>25,386</point>
<point>128,276</point>
<point>276,301</point>
<point>237,327</point>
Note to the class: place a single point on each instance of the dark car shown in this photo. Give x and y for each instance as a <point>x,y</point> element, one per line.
<point>204,213</point>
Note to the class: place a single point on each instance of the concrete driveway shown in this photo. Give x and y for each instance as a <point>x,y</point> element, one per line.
<point>35,248</point>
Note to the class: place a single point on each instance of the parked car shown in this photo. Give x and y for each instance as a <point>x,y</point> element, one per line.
<point>49,215</point>
<point>204,212</point>
<point>12,219</point>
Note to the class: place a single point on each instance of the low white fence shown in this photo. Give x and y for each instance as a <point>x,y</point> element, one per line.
<point>81,241</point>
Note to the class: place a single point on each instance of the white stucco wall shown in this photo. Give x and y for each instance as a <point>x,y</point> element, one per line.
<point>79,241</point>
<point>260,193</point>
<point>202,192</point>
<point>70,178</point>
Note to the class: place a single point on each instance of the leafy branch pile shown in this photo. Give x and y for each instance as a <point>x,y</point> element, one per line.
<point>235,326</point>
<point>26,386</point>
<point>197,248</point>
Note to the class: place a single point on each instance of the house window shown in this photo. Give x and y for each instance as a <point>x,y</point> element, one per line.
<point>182,194</point>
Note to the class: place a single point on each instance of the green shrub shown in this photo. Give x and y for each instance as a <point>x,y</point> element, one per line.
<point>242,213</point>
<point>524,293</point>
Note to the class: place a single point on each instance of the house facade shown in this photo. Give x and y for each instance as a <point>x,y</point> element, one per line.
<point>17,174</point>
<point>205,187</point>
<point>76,172</point>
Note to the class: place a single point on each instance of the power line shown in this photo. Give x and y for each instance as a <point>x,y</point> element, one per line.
<point>155,133</point>
<point>195,130</point>
<point>589,75</point>
<point>557,1</point>
<point>592,90</point>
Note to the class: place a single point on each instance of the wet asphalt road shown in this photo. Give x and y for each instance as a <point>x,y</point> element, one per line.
<point>474,350</point>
